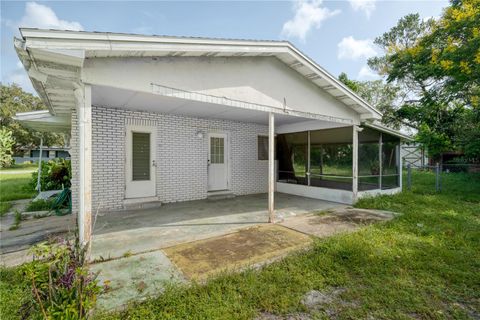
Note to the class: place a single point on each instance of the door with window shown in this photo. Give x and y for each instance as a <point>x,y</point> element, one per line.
<point>217,162</point>
<point>140,162</point>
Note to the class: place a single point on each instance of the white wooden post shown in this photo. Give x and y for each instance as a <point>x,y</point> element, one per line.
<point>355,163</point>
<point>83,95</point>
<point>39,174</point>
<point>308,157</point>
<point>271,167</point>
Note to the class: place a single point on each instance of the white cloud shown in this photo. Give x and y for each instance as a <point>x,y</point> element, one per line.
<point>366,73</point>
<point>350,48</point>
<point>367,6</point>
<point>308,15</point>
<point>20,77</point>
<point>40,16</point>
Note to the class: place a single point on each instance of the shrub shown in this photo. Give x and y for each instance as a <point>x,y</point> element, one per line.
<point>62,286</point>
<point>55,175</point>
<point>6,148</point>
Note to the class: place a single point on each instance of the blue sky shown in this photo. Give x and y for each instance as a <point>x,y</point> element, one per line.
<point>336,34</point>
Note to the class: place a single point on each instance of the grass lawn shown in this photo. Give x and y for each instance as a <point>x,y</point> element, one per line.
<point>14,186</point>
<point>421,265</point>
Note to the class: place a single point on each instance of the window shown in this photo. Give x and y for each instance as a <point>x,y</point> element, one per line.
<point>262,148</point>
<point>217,152</point>
<point>140,156</point>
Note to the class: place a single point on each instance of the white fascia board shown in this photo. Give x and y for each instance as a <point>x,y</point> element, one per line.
<point>390,131</point>
<point>108,36</point>
<point>336,83</point>
<point>122,44</point>
<point>62,56</point>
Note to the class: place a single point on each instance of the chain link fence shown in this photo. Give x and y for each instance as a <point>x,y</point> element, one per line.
<point>440,171</point>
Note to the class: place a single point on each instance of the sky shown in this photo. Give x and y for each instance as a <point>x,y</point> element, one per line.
<point>338,35</point>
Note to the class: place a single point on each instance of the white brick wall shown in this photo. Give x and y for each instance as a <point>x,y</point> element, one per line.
<point>181,156</point>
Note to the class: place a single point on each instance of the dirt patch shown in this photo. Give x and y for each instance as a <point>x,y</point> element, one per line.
<point>292,316</point>
<point>339,220</point>
<point>250,246</point>
<point>328,302</point>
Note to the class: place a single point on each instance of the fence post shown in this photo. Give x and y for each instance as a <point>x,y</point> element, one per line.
<point>437,177</point>
<point>409,176</point>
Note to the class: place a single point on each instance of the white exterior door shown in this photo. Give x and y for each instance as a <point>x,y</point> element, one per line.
<point>140,162</point>
<point>217,162</point>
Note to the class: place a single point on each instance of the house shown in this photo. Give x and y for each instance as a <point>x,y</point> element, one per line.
<point>167,119</point>
<point>32,154</point>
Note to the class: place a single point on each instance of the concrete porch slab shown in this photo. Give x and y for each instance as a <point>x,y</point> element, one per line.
<point>134,278</point>
<point>337,220</point>
<point>137,231</point>
<point>247,247</point>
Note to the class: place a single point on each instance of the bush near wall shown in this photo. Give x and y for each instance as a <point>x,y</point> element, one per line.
<point>55,175</point>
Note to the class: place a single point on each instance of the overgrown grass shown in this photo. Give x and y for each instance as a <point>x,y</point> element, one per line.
<point>4,207</point>
<point>424,264</point>
<point>21,166</point>
<point>39,205</point>
<point>15,186</point>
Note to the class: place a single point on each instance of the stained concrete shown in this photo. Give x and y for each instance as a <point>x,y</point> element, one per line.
<point>118,233</point>
<point>250,246</point>
<point>33,230</point>
<point>134,278</point>
<point>337,220</point>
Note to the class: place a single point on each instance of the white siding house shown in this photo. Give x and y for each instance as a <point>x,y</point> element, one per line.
<point>166,119</point>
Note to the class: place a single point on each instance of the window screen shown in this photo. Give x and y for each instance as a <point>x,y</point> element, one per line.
<point>262,148</point>
<point>216,150</point>
<point>140,156</point>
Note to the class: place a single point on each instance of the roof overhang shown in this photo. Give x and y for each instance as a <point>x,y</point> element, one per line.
<point>58,56</point>
<point>378,126</point>
<point>44,121</point>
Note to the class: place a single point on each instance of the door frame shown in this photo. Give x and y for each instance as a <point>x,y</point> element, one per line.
<point>226,150</point>
<point>128,158</point>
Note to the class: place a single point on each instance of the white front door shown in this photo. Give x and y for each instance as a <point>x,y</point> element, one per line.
<point>140,162</point>
<point>217,162</point>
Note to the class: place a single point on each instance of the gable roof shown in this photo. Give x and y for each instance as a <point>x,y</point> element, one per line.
<point>43,51</point>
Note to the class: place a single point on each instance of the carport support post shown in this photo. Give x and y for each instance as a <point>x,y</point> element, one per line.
<point>355,163</point>
<point>39,174</point>
<point>83,96</point>
<point>271,167</point>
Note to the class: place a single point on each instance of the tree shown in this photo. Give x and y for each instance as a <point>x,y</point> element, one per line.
<point>386,97</point>
<point>437,63</point>
<point>6,147</point>
<point>13,100</point>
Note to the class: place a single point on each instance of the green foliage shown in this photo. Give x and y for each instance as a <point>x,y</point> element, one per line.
<point>62,287</point>
<point>15,292</point>
<point>17,220</point>
<point>6,148</point>
<point>13,100</point>
<point>437,142</point>
<point>39,205</point>
<point>15,186</point>
<point>385,97</point>
<point>437,62</point>
<point>55,175</point>
<point>423,264</point>
<point>4,207</point>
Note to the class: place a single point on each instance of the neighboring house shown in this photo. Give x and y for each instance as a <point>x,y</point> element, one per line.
<point>32,154</point>
<point>174,119</point>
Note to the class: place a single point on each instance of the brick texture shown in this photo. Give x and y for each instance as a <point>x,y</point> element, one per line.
<point>181,156</point>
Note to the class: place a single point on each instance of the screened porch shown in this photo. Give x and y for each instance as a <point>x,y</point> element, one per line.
<point>326,159</point>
